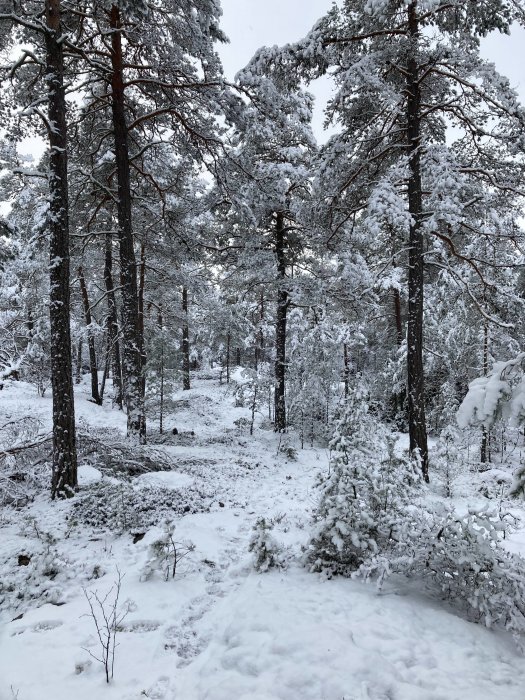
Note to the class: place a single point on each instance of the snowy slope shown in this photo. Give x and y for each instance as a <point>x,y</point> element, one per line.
<point>220,631</point>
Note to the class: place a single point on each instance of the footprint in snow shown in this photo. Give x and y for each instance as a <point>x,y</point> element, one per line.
<point>158,690</point>
<point>43,626</point>
<point>139,626</point>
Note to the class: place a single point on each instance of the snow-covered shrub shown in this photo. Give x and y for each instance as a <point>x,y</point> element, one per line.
<point>496,484</point>
<point>166,553</point>
<point>517,490</point>
<point>23,454</point>
<point>365,499</point>
<point>446,459</point>
<point>36,573</point>
<point>464,557</point>
<point>122,508</point>
<point>268,553</point>
<point>287,449</point>
<point>118,457</point>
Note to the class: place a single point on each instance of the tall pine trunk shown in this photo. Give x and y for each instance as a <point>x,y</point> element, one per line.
<point>416,381</point>
<point>185,342</point>
<point>484,456</point>
<point>142,345</point>
<point>64,472</point>
<point>112,324</point>
<point>280,328</point>
<point>346,370</point>
<point>131,361</point>
<point>160,323</point>
<point>93,367</point>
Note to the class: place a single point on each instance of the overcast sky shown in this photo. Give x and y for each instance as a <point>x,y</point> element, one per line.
<point>250,24</point>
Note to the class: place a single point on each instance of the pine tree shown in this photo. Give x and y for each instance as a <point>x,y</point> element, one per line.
<point>48,36</point>
<point>404,72</point>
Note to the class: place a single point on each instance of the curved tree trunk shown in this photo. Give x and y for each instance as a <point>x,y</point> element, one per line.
<point>64,475</point>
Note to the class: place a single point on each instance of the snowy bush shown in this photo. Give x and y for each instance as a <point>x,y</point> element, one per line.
<point>463,556</point>
<point>23,455</point>
<point>446,459</point>
<point>268,553</point>
<point>166,553</point>
<point>122,508</point>
<point>34,573</point>
<point>496,484</point>
<point>372,522</point>
<point>364,501</point>
<point>498,396</point>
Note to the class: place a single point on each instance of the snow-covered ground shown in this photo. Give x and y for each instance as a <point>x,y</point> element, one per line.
<point>219,630</point>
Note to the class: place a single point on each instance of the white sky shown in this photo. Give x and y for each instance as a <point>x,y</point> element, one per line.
<point>250,24</point>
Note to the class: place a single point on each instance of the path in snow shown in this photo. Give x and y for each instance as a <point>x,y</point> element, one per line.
<point>219,631</point>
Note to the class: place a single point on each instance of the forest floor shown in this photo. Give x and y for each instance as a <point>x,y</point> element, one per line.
<point>218,630</point>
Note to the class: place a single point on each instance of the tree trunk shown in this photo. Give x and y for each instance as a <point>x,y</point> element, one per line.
<point>228,343</point>
<point>397,317</point>
<point>160,323</point>
<point>484,451</point>
<point>416,381</point>
<point>107,362</point>
<point>95,395</point>
<point>112,323</point>
<point>142,347</point>
<point>64,470</point>
<point>346,370</point>
<point>78,376</point>
<point>131,363</point>
<point>280,328</point>
<point>185,342</point>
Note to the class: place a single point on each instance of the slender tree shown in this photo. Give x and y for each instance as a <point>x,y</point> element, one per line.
<point>404,71</point>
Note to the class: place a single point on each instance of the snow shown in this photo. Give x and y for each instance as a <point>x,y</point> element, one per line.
<point>88,474</point>
<point>167,480</point>
<point>219,630</point>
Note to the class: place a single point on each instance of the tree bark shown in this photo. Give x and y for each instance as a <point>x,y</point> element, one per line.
<point>130,310</point>
<point>346,370</point>
<point>228,343</point>
<point>416,381</point>
<point>280,328</point>
<point>484,456</point>
<point>397,317</point>
<point>185,342</point>
<point>78,376</point>
<point>64,470</point>
<point>93,368</point>
<point>112,324</point>
<point>142,347</point>
<point>160,323</point>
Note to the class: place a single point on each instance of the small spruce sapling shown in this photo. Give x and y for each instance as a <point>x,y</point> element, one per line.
<point>446,458</point>
<point>268,553</point>
<point>365,500</point>
<point>166,554</point>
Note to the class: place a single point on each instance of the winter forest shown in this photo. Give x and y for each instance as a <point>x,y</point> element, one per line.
<point>262,383</point>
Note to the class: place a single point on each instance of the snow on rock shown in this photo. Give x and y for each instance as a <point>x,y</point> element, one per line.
<point>88,474</point>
